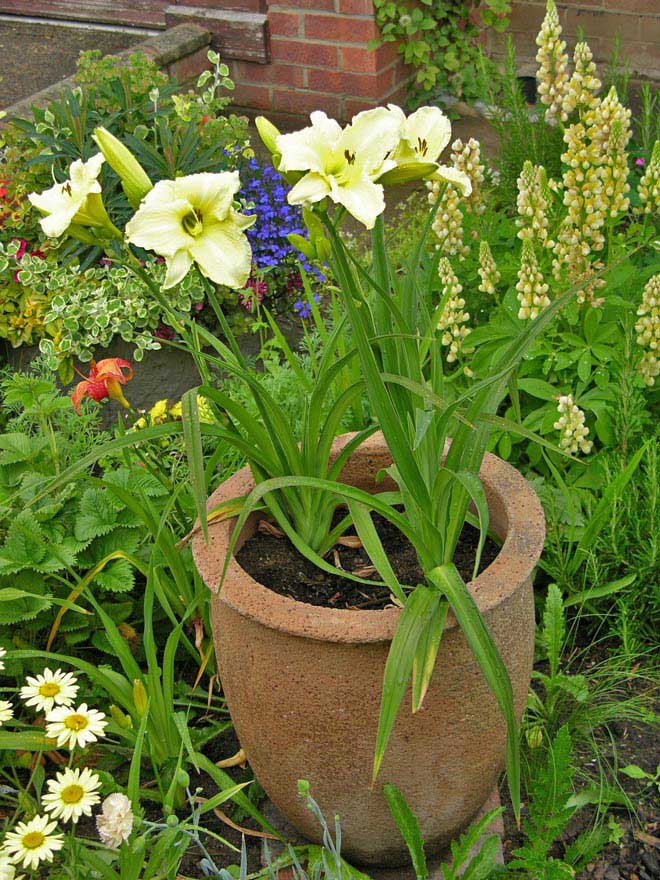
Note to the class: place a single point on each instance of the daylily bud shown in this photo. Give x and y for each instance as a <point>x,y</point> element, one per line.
<point>120,719</point>
<point>302,244</point>
<point>268,134</point>
<point>140,697</point>
<point>134,179</point>
<point>408,172</point>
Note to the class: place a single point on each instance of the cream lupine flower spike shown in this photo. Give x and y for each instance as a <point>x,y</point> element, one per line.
<point>572,427</point>
<point>453,317</point>
<point>648,331</point>
<point>532,289</point>
<point>467,159</point>
<point>487,270</point>
<point>192,220</point>
<point>553,64</point>
<point>649,185</point>
<point>532,204</point>
<point>448,221</point>
<point>583,85</point>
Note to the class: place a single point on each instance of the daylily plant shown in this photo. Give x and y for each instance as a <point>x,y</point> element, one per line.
<point>77,201</point>
<point>192,220</point>
<point>342,163</point>
<point>332,170</point>
<point>104,381</point>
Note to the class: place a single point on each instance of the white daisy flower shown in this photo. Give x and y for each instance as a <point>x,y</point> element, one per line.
<point>33,842</point>
<point>75,727</point>
<point>49,689</point>
<point>115,822</point>
<point>7,870</point>
<point>72,794</point>
<point>3,653</point>
<point>6,711</point>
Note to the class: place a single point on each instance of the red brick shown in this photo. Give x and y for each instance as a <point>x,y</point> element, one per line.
<point>597,23</point>
<point>363,60</point>
<point>304,52</point>
<point>648,6</point>
<point>353,106</point>
<point>304,103</point>
<point>356,84</point>
<point>190,66</point>
<point>308,5</point>
<point>355,7</point>
<point>246,95</point>
<point>285,24</point>
<point>245,5</point>
<point>276,74</point>
<point>340,28</point>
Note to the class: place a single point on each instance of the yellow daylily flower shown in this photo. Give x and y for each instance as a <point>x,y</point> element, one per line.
<point>192,219</point>
<point>424,136</point>
<point>342,163</point>
<point>76,201</point>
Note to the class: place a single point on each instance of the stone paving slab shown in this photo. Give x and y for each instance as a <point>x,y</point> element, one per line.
<point>35,55</point>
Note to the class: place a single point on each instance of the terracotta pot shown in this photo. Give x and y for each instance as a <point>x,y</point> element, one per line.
<point>303,683</point>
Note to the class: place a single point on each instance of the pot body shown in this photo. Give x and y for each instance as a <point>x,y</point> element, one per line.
<point>303,684</point>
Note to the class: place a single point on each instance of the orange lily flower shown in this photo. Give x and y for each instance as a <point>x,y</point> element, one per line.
<point>105,380</point>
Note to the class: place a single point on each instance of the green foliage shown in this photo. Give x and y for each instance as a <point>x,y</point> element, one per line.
<point>550,810</point>
<point>438,40</point>
<point>465,864</point>
<point>88,309</point>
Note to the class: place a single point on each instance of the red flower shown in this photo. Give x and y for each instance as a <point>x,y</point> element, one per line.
<point>105,380</point>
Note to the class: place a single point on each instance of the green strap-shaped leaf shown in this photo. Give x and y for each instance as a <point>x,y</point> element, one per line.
<point>426,654</point>
<point>192,439</point>
<point>418,614</point>
<point>371,542</point>
<point>407,823</point>
<point>447,579</point>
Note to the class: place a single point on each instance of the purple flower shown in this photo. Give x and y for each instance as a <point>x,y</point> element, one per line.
<point>303,307</point>
<point>641,162</point>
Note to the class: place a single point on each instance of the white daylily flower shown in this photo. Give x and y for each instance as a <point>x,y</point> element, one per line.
<point>77,200</point>
<point>342,163</point>
<point>424,136</point>
<point>192,219</point>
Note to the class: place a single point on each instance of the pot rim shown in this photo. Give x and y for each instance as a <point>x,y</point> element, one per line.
<point>514,564</point>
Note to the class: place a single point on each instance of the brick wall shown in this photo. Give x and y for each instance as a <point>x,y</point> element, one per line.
<point>319,60</point>
<point>637,23</point>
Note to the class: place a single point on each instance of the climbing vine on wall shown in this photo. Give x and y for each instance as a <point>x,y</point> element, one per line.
<point>439,40</point>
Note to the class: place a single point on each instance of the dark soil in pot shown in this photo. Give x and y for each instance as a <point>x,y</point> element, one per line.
<point>275,562</point>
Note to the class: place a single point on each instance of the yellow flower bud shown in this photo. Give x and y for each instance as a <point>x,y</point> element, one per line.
<point>134,179</point>
<point>140,697</point>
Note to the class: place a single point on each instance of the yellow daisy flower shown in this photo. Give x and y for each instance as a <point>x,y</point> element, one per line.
<point>75,727</point>
<point>72,794</point>
<point>33,842</point>
<point>49,689</point>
